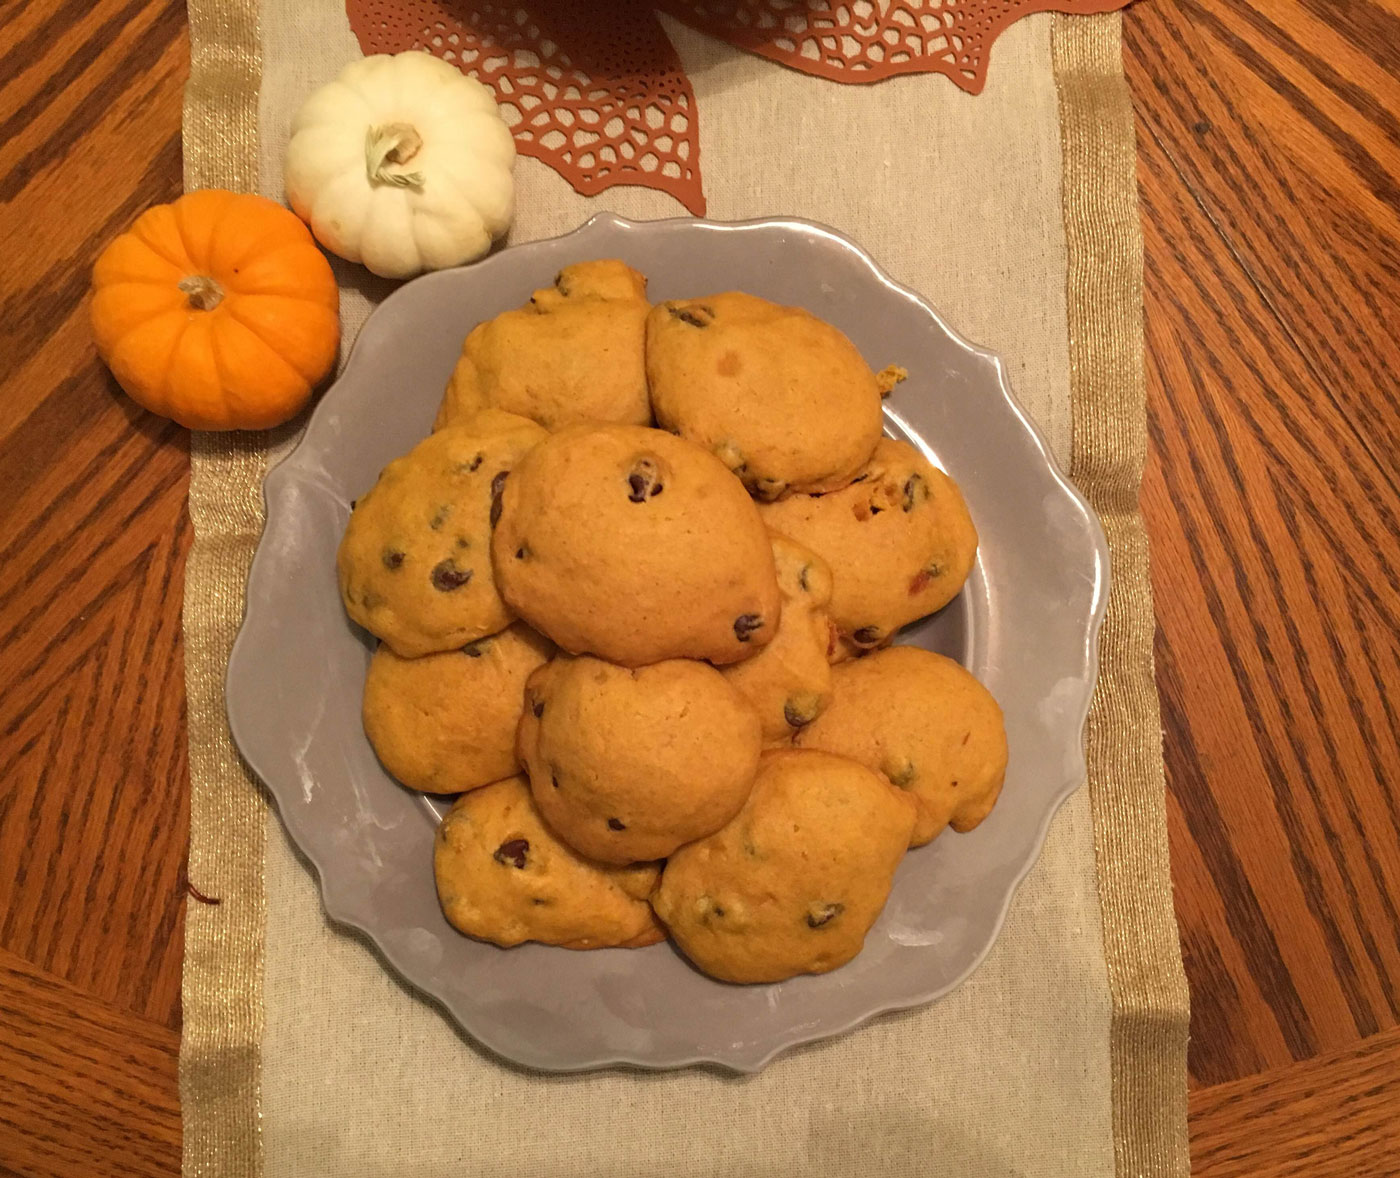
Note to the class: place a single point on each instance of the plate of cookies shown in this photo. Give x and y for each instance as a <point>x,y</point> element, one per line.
<point>669,643</point>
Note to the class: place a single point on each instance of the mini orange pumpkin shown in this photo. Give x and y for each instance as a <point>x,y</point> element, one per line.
<point>217,310</point>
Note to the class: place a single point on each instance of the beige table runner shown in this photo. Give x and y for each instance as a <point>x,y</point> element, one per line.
<point>1015,213</point>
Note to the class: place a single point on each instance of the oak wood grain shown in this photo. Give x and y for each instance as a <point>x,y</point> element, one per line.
<point>85,1088</point>
<point>1283,123</point>
<point>1272,504</point>
<point>93,530</point>
<point>1332,1116</point>
<point>1270,180</point>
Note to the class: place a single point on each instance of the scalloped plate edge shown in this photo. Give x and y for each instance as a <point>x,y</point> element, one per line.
<point>740,1062</point>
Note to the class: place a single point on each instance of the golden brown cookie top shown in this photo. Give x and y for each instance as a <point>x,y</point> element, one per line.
<point>415,561</point>
<point>899,540</point>
<point>601,278</point>
<point>493,422</point>
<point>629,764</point>
<point>783,398</point>
<point>637,546</point>
<point>574,352</point>
<point>793,883</point>
<point>446,722</point>
<point>503,877</point>
<point>788,682</point>
<point>927,724</point>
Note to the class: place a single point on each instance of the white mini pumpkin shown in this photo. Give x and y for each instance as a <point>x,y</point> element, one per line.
<point>402,163</point>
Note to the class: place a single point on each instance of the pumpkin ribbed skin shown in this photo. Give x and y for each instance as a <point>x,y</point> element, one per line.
<point>403,164</point>
<point>217,311</point>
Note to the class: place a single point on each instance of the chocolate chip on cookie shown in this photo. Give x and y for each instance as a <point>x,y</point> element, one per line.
<point>644,479</point>
<point>746,626</point>
<point>821,915</point>
<point>513,852</point>
<point>447,576</point>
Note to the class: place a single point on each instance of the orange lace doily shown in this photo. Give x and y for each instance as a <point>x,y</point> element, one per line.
<point>596,90</point>
<point>869,40</point>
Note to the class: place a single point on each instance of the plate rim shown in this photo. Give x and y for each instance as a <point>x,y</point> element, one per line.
<point>287,470</point>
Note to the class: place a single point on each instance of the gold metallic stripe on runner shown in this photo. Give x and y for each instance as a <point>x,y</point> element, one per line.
<point>221,1045</point>
<point>1127,791</point>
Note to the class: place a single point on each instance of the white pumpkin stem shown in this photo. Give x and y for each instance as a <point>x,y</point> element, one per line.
<point>392,143</point>
<point>203,293</point>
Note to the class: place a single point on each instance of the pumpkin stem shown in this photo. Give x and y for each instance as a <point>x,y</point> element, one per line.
<point>392,143</point>
<point>203,292</point>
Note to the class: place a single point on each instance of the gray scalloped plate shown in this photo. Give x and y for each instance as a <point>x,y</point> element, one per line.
<point>1026,625</point>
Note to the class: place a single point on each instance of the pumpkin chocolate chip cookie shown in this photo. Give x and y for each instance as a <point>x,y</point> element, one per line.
<point>415,561</point>
<point>503,877</point>
<point>795,881</point>
<point>899,541</point>
<point>637,546</point>
<point>782,397</point>
<point>924,722</point>
<point>572,353</point>
<point>446,722</point>
<point>789,681</point>
<point>630,764</point>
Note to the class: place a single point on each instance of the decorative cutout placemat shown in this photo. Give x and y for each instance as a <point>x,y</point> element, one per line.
<point>605,101</point>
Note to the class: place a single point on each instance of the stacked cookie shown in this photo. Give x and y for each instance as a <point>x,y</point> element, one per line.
<point>655,662</point>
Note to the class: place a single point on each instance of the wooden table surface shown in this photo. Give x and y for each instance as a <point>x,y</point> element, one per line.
<point>1269,164</point>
